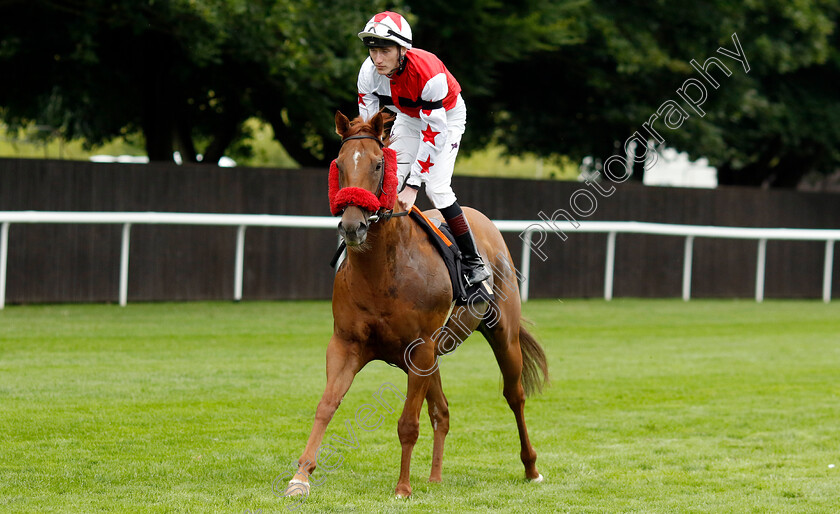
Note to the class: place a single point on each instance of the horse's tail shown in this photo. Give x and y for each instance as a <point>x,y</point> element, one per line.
<point>534,365</point>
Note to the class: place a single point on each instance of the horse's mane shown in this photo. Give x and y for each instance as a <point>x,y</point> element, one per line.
<point>359,126</point>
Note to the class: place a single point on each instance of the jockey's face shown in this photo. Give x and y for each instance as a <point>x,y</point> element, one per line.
<point>386,59</point>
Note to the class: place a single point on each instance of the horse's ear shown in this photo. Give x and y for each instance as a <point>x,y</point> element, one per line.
<point>342,124</point>
<point>378,125</point>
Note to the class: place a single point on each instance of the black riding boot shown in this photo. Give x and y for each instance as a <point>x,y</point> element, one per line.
<point>476,270</point>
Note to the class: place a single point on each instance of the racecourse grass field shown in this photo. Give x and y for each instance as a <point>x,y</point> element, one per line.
<point>653,406</point>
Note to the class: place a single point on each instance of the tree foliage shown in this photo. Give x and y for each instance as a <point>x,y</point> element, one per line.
<point>187,73</point>
<point>618,61</point>
<point>552,77</point>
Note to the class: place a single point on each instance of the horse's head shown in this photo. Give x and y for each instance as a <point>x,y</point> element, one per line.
<point>358,187</point>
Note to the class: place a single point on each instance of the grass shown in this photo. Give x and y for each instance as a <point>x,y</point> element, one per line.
<point>654,406</point>
<point>490,162</point>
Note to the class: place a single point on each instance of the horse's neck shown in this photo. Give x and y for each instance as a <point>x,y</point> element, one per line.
<point>384,239</point>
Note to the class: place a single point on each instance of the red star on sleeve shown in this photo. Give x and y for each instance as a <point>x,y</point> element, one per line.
<point>426,165</point>
<point>362,99</point>
<point>429,135</point>
<point>427,112</point>
<point>394,16</point>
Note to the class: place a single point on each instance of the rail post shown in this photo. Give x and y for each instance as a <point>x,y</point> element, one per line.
<point>525,265</point>
<point>126,236</point>
<point>239,267</point>
<point>829,264</point>
<point>688,254</point>
<point>609,272</point>
<point>4,254</point>
<point>759,271</point>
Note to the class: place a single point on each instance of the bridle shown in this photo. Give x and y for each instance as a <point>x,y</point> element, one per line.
<point>381,161</point>
<point>381,214</point>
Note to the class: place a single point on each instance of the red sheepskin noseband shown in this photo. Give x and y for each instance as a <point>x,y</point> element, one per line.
<point>340,198</point>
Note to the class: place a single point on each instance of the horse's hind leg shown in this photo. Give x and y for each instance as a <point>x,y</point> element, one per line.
<point>439,416</point>
<point>504,339</point>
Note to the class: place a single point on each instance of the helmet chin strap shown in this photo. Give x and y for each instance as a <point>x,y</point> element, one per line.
<point>400,65</point>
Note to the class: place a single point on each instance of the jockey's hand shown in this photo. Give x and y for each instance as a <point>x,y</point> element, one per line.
<point>407,197</point>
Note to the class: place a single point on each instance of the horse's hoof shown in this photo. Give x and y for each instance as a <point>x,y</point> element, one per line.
<point>403,491</point>
<point>297,488</point>
<point>537,480</point>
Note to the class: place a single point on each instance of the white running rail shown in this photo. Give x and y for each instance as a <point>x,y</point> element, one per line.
<point>526,229</point>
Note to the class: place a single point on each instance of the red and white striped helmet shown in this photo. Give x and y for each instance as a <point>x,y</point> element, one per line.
<point>386,28</point>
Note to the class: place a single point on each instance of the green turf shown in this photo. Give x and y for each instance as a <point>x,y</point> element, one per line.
<point>654,406</point>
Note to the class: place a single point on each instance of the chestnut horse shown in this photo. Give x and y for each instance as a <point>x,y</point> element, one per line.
<point>392,293</point>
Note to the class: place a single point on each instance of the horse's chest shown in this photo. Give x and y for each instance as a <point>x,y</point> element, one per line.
<point>391,305</point>
<point>368,326</point>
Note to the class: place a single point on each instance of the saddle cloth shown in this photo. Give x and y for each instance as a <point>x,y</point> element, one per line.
<point>442,239</point>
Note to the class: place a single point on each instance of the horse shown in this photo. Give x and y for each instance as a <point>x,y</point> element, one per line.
<point>392,295</point>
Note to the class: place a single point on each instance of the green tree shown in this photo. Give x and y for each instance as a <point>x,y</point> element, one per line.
<point>185,73</point>
<point>588,88</point>
<point>555,78</point>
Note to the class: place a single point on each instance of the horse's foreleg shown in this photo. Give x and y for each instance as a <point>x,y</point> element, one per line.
<point>342,366</point>
<point>439,416</point>
<point>408,427</point>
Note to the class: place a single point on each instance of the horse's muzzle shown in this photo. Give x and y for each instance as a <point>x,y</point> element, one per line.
<point>354,233</point>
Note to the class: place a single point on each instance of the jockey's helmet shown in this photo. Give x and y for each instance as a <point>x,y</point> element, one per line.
<point>386,29</point>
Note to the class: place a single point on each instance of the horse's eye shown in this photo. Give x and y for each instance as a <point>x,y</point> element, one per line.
<point>378,166</point>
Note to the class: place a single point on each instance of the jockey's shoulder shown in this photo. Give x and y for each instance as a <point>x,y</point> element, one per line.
<point>422,55</point>
<point>424,63</point>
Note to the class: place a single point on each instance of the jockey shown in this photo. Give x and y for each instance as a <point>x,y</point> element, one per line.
<point>431,118</point>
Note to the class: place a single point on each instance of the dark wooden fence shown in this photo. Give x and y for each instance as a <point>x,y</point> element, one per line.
<point>80,263</point>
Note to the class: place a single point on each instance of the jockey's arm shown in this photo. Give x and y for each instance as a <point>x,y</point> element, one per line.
<point>368,102</point>
<point>433,131</point>
<point>368,105</point>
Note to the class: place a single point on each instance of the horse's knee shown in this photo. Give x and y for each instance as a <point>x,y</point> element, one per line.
<point>438,411</point>
<point>442,419</point>
<point>408,430</point>
<point>443,425</point>
<point>326,409</point>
